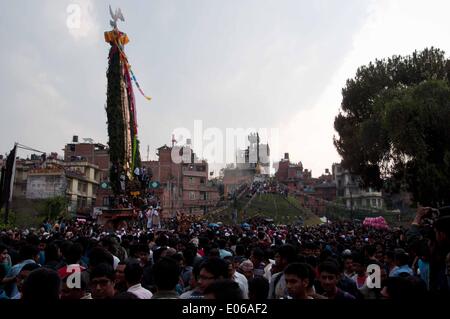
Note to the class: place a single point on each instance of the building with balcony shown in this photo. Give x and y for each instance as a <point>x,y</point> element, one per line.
<point>93,153</point>
<point>349,191</point>
<point>78,181</point>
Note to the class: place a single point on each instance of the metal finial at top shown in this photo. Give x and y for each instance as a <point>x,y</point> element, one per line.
<point>117,15</point>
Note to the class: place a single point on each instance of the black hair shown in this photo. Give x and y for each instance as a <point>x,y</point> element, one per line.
<point>166,273</point>
<point>30,267</point>
<point>158,252</point>
<point>222,243</point>
<point>42,284</point>
<point>258,253</point>
<point>402,258</point>
<point>390,254</point>
<point>258,288</point>
<point>51,252</point>
<point>74,253</point>
<point>133,273</point>
<point>214,253</point>
<point>216,266</point>
<point>370,250</point>
<point>103,270</point>
<point>189,254</point>
<point>329,267</point>
<point>3,247</point>
<point>301,270</point>
<point>99,255</point>
<point>287,252</point>
<point>225,289</point>
<point>28,251</point>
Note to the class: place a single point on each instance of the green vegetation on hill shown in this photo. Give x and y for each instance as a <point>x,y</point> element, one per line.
<point>273,206</point>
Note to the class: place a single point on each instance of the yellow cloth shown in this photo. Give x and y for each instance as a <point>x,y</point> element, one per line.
<point>113,36</point>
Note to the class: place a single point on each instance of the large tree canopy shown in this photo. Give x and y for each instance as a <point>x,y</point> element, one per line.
<point>394,125</point>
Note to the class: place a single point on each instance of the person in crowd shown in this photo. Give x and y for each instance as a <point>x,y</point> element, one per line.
<point>329,276</point>
<point>285,255</point>
<point>258,289</point>
<point>347,260</point>
<point>28,254</point>
<point>23,275</point>
<point>41,285</point>
<point>238,277</point>
<point>133,276</point>
<point>402,267</point>
<point>297,280</point>
<point>102,279</point>
<point>167,276</point>
<point>193,290</point>
<point>120,284</point>
<point>212,270</point>
<point>74,285</point>
<point>246,269</point>
<point>223,289</point>
<point>257,258</point>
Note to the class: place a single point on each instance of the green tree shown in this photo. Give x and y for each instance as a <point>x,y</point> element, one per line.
<point>393,125</point>
<point>55,207</point>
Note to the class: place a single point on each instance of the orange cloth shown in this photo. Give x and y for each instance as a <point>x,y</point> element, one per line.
<point>113,36</point>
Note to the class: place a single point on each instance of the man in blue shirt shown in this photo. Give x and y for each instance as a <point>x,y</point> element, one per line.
<point>28,254</point>
<point>402,268</point>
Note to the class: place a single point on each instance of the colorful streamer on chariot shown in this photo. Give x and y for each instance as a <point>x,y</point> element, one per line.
<point>133,77</point>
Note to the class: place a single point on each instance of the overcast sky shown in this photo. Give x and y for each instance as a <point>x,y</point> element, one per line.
<point>231,64</point>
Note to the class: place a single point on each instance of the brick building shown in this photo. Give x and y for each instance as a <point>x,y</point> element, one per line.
<point>184,181</point>
<point>94,153</point>
<point>292,175</point>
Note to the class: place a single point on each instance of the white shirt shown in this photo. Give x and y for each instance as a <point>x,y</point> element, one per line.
<point>242,282</point>
<point>267,270</point>
<point>116,262</point>
<point>140,292</point>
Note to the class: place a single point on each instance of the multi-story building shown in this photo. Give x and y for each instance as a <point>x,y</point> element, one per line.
<point>23,167</point>
<point>94,153</point>
<point>184,182</point>
<point>292,175</point>
<point>349,191</point>
<point>77,180</point>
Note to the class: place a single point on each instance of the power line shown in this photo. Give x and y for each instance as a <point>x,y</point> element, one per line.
<point>24,147</point>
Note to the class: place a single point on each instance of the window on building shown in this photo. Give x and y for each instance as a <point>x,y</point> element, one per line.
<point>83,202</point>
<point>192,195</point>
<point>106,201</point>
<point>374,202</point>
<point>191,180</point>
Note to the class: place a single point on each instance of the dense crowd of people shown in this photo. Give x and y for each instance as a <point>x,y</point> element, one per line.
<point>257,261</point>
